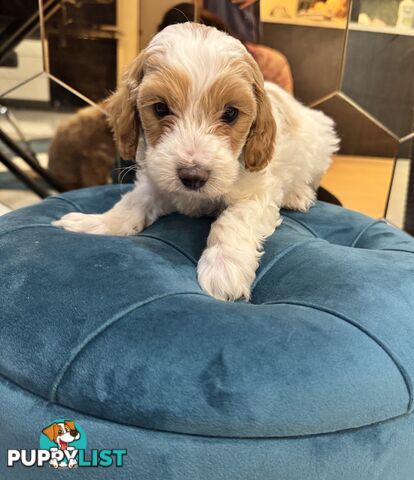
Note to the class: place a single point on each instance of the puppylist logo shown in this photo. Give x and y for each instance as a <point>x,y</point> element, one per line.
<point>63,445</point>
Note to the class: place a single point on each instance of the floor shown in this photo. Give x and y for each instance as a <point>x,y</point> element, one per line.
<point>360,183</point>
<point>363,184</point>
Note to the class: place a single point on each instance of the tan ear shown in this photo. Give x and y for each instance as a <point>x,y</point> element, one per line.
<point>122,110</point>
<point>70,424</point>
<point>260,142</point>
<point>50,432</point>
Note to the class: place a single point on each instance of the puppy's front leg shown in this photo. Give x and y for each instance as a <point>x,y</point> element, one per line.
<point>227,267</point>
<point>136,210</point>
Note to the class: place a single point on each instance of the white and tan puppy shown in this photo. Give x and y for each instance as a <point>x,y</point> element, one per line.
<point>210,137</point>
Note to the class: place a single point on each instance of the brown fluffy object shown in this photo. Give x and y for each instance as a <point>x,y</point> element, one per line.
<point>82,151</point>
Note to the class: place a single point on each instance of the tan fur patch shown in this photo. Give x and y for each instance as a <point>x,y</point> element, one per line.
<point>122,109</point>
<point>260,143</point>
<point>165,84</point>
<point>229,90</point>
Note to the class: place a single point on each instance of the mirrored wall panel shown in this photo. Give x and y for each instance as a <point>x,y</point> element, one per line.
<point>361,76</point>
<point>362,172</point>
<point>81,46</point>
<point>54,134</point>
<point>20,45</point>
<point>311,35</point>
<point>89,43</point>
<point>400,207</point>
<point>379,63</point>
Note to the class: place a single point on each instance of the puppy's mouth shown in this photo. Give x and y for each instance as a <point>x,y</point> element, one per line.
<point>63,445</point>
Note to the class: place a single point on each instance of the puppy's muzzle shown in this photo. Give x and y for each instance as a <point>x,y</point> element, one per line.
<point>193,178</point>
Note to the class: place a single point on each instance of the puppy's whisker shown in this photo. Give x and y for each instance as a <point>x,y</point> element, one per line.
<point>127,170</point>
<point>123,168</point>
<point>123,176</point>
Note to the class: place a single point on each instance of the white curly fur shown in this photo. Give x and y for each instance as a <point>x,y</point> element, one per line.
<point>246,202</point>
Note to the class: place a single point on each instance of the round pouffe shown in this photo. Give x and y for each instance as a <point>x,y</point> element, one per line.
<point>311,379</point>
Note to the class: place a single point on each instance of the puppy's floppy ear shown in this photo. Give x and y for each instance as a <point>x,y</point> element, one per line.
<point>122,109</point>
<point>50,432</point>
<point>70,424</point>
<point>260,142</point>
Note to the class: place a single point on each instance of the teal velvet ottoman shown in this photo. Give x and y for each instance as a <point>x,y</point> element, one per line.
<point>312,379</point>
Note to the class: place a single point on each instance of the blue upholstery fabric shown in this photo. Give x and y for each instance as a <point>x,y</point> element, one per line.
<point>312,376</point>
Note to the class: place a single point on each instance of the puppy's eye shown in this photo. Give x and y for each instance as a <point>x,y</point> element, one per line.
<point>230,114</point>
<point>161,109</point>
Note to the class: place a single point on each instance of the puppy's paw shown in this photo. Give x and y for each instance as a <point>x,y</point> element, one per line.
<point>224,275</point>
<point>81,222</point>
<point>301,201</point>
<point>97,224</point>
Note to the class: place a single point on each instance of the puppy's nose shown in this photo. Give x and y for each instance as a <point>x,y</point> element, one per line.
<point>193,178</point>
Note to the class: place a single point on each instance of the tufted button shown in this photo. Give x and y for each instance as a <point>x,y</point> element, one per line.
<point>119,328</point>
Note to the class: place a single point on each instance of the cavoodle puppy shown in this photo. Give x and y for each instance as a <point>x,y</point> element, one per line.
<point>211,138</point>
<point>82,152</point>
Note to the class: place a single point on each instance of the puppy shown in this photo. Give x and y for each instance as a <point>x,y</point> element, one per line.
<point>62,434</point>
<point>82,152</point>
<point>211,138</point>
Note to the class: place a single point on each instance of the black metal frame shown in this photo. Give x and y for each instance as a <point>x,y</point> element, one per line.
<point>8,46</point>
<point>21,175</point>
<point>29,26</point>
<point>409,206</point>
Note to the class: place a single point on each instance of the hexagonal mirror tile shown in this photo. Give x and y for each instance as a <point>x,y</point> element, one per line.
<point>21,55</point>
<point>379,64</point>
<point>90,43</point>
<point>311,34</point>
<point>400,205</point>
<point>37,118</point>
<point>81,47</point>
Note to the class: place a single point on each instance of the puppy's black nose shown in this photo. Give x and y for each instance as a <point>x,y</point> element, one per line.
<point>193,178</point>
<point>74,433</point>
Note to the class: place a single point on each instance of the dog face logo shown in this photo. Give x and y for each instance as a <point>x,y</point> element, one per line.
<point>63,434</point>
<point>63,444</point>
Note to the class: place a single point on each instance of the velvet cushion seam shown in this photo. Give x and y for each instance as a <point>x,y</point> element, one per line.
<point>363,231</point>
<point>75,352</point>
<point>69,202</point>
<point>386,349</point>
<point>204,436</point>
<point>170,244</point>
<point>302,224</point>
<point>276,259</point>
